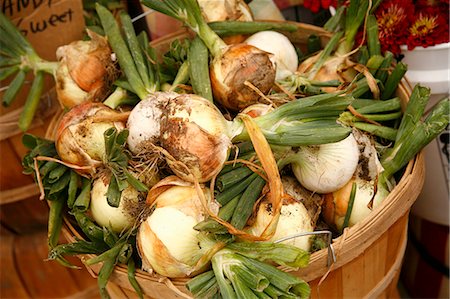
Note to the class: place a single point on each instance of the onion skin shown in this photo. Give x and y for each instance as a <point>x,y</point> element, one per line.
<point>229,72</point>
<point>195,133</point>
<point>328,167</point>
<point>225,10</point>
<point>144,122</point>
<point>79,138</point>
<point>284,55</point>
<point>85,71</point>
<point>257,109</point>
<point>335,68</point>
<point>336,203</point>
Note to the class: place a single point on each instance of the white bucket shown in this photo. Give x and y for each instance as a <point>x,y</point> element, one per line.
<point>430,67</point>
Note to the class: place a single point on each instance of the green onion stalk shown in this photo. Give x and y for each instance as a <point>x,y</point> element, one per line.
<point>333,65</point>
<point>240,271</point>
<point>18,58</point>
<point>413,134</point>
<point>67,190</point>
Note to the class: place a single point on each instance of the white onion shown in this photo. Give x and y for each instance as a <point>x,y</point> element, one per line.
<point>144,121</point>
<point>326,168</point>
<point>116,218</point>
<point>294,219</point>
<point>167,242</point>
<point>284,55</point>
<point>366,180</point>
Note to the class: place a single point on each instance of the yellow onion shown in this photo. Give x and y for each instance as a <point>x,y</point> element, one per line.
<point>336,203</point>
<point>294,219</point>
<point>335,68</point>
<point>85,71</point>
<point>196,134</point>
<point>224,10</point>
<point>167,241</point>
<point>284,54</point>
<point>119,218</point>
<point>238,64</point>
<point>79,138</point>
<point>190,128</point>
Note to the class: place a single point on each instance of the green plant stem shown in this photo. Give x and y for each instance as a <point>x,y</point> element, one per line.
<point>32,102</point>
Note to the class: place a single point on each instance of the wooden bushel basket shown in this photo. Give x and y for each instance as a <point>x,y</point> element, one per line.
<point>368,255</point>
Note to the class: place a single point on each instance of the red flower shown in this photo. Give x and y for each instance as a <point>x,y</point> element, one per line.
<point>414,23</point>
<point>393,17</point>
<point>315,5</point>
<point>429,28</point>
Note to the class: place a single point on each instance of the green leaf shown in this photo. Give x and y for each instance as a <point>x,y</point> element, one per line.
<point>113,194</point>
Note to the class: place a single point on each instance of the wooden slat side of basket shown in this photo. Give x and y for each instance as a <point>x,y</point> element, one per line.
<point>374,246</point>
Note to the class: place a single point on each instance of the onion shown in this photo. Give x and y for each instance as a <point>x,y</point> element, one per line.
<point>119,218</point>
<point>369,194</point>
<point>237,65</point>
<point>79,138</point>
<point>284,55</point>
<point>167,240</point>
<point>239,73</point>
<point>195,133</point>
<point>294,219</point>
<point>336,203</point>
<point>85,71</point>
<point>326,168</point>
<point>223,10</point>
<point>190,128</point>
<point>144,121</point>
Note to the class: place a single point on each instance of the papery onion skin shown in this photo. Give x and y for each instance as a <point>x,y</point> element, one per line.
<point>229,72</point>
<point>336,203</point>
<point>195,133</point>
<point>328,167</point>
<point>79,138</point>
<point>334,68</point>
<point>119,218</point>
<point>257,109</point>
<point>223,10</point>
<point>294,219</point>
<point>166,240</point>
<point>144,122</point>
<point>85,71</point>
<point>284,55</point>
